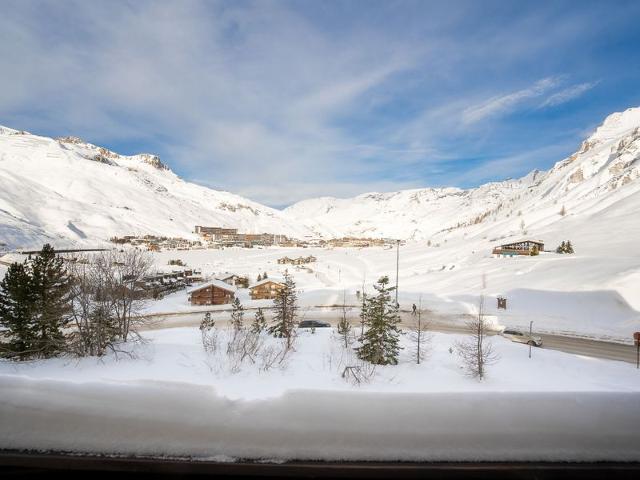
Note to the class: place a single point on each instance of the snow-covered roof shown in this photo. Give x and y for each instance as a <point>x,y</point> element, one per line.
<point>216,283</point>
<point>525,240</point>
<point>10,258</point>
<point>227,276</point>
<point>267,280</point>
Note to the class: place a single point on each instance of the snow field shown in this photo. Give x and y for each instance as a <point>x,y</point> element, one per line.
<point>172,398</point>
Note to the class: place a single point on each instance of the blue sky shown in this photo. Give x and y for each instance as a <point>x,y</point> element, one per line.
<point>281,101</point>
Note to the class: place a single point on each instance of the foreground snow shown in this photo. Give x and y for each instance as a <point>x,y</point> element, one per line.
<point>173,399</point>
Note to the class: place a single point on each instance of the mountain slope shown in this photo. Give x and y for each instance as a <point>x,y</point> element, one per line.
<point>603,171</point>
<point>68,191</point>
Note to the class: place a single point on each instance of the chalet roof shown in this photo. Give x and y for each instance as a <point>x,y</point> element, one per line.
<point>10,258</point>
<point>215,283</point>
<point>539,242</point>
<point>265,281</point>
<point>227,275</point>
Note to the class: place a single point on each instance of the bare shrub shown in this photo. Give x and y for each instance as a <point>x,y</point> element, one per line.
<point>209,334</point>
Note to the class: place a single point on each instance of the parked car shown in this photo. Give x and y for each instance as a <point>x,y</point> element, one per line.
<point>520,337</point>
<point>313,324</point>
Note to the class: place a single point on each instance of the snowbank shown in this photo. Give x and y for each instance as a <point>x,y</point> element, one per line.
<point>171,398</point>
<point>157,418</point>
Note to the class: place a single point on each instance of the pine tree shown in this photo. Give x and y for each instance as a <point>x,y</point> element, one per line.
<point>285,307</point>
<point>237,315</point>
<point>259,323</point>
<point>264,275</point>
<point>259,278</point>
<point>561,248</point>
<point>52,289</point>
<point>568,247</point>
<point>17,302</point>
<point>380,341</point>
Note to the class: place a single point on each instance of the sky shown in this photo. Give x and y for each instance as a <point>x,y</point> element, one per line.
<point>280,101</point>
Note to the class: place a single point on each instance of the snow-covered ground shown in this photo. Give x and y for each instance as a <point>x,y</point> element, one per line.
<point>591,294</point>
<point>172,398</point>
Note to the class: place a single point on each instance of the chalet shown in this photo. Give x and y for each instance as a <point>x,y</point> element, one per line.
<point>297,261</point>
<point>234,280</point>
<point>266,289</point>
<point>214,292</point>
<point>523,247</point>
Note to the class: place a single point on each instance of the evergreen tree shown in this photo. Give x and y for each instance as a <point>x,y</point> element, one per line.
<point>285,308</point>
<point>561,248</point>
<point>568,247</point>
<point>52,306</point>
<point>259,278</point>
<point>264,275</point>
<point>380,341</point>
<point>259,323</point>
<point>237,314</point>
<point>17,303</point>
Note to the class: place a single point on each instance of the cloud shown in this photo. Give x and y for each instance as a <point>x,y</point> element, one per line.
<point>567,94</point>
<point>284,100</point>
<point>505,104</point>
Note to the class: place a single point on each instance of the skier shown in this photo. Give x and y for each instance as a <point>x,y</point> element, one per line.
<point>415,310</point>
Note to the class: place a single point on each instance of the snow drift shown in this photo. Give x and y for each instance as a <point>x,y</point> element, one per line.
<point>153,418</point>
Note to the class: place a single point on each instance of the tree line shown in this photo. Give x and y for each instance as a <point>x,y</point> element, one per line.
<point>50,307</point>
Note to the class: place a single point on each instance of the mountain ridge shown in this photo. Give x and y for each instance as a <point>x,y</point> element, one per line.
<point>68,190</point>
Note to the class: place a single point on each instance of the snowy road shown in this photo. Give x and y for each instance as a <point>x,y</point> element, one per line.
<point>440,323</point>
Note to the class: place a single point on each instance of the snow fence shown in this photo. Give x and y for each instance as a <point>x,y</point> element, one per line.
<point>173,419</point>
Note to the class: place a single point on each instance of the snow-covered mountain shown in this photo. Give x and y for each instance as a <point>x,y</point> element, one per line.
<point>67,191</point>
<point>605,170</point>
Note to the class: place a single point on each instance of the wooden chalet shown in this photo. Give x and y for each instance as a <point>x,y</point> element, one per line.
<point>523,247</point>
<point>266,289</point>
<point>214,292</point>
<point>235,280</point>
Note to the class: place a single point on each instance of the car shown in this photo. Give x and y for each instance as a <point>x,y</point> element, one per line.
<point>520,337</point>
<point>313,324</point>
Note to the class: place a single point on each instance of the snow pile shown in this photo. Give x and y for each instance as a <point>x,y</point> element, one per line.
<point>171,401</point>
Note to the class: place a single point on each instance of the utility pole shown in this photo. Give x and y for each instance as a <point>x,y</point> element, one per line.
<point>397,267</point>
<point>530,333</point>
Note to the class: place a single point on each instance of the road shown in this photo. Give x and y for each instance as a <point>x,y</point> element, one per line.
<point>438,323</point>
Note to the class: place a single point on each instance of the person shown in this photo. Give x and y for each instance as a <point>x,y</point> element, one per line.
<point>415,310</point>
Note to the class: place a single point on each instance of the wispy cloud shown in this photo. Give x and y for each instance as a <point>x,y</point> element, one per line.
<point>568,94</point>
<point>282,100</point>
<point>505,104</point>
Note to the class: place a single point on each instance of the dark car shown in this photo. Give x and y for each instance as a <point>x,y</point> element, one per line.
<point>313,324</point>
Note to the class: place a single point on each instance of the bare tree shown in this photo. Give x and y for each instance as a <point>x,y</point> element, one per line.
<point>93,308</point>
<point>419,334</point>
<point>128,267</point>
<point>344,327</point>
<point>477,352</point>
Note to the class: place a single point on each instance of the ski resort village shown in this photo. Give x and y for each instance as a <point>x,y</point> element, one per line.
<point>494,295</point>
<point>418,276</point>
